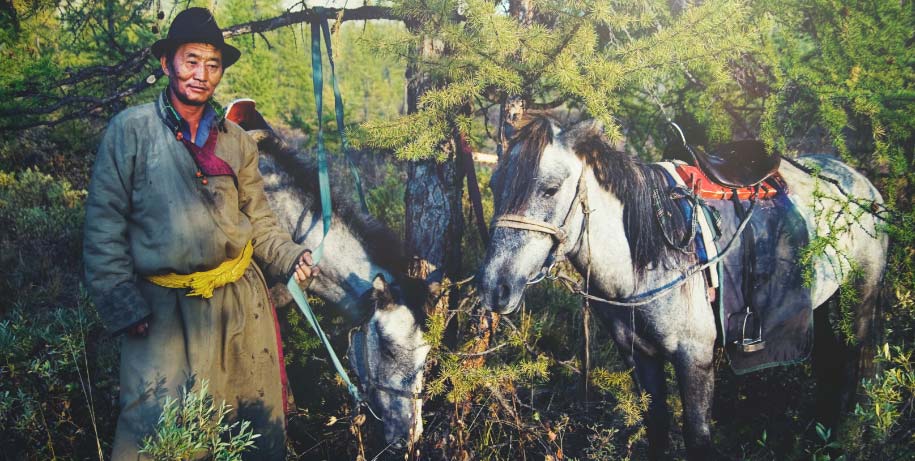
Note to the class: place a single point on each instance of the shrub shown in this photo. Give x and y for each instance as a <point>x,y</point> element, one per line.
<point>193,425</point>
<point>57,382</point>
<point>40,231</point>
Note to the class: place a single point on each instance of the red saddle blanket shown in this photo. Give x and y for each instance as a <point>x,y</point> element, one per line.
<point>704,187</point>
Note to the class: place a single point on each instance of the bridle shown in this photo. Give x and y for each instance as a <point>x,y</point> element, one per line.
<point>559,234</point>
<point>371,383</point>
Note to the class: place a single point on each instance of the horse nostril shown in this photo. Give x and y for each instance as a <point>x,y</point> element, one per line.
<point>502,293</point>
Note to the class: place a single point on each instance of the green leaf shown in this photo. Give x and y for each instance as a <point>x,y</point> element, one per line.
<point>821,431</point>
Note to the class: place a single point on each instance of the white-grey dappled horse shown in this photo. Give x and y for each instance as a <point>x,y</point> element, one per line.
<point>361,272</point>
<point>541,180</point>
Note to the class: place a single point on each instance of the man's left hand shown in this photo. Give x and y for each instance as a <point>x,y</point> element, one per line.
<point>305,268</point>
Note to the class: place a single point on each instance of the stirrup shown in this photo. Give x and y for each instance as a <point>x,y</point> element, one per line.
<point>745,344</point>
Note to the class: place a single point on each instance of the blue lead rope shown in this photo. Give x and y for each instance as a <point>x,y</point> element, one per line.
<point>338,106</point>
<point>309,314</point>
<point>324,182</point>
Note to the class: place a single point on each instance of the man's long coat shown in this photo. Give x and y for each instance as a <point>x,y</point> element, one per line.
<point>149,213</point>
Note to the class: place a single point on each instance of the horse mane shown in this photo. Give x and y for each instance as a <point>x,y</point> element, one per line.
<point>631,180</point>
<point>381,243</point>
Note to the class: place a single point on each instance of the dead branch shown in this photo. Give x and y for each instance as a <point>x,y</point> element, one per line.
<point>363,13</point>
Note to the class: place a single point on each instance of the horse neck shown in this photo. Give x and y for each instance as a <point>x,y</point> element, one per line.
<point>347,269</point>
<point>610,262</point>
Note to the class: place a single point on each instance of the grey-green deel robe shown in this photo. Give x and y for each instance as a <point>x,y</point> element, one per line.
<point>147,213</point>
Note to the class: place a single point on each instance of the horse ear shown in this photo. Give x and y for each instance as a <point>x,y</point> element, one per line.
<point>594,126</point>
<point>433,282</point>
<point>435,288</point>
<point>381,293</point>
<point>379,283</point>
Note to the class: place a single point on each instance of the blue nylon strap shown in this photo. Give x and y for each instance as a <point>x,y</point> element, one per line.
<point>338,108</point>
<point>317,75</point>
<point>309,314</point>
<point>324,186</point>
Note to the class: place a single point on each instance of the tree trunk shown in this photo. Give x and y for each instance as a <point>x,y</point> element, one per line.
<point>434,217</point>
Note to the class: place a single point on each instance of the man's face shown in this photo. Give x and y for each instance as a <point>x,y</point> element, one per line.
<point>194,73</point>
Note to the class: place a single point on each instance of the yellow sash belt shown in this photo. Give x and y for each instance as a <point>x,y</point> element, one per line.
<point>204,282</point>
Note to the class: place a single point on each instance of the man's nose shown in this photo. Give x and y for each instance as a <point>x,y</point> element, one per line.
<point>201,73</point>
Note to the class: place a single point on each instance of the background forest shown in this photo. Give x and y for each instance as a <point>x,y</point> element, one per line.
<point>835,76</point>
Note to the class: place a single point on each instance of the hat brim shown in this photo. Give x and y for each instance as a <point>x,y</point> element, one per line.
<point>230,54</point>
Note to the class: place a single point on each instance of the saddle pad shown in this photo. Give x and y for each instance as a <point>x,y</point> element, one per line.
<point>768,252</point>
<point>704,187</point>
<point>706,247</point>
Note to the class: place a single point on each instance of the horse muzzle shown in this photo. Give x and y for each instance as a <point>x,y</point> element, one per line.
<point>502,294</point>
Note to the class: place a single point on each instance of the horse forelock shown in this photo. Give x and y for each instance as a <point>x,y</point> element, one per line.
<point>534,132</point>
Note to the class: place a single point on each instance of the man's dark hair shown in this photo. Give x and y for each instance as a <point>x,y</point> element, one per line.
<point>170,57</point>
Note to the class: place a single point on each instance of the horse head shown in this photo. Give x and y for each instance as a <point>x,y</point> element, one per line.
<point>540,193</point>
<point>388,353</point>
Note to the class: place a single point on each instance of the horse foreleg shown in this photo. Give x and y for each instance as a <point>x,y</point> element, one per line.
<point>650,378</point>
<point>696,380</point>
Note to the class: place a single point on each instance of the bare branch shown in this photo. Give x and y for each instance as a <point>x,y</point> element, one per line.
<point>549,105</point>
<point>363,13</point>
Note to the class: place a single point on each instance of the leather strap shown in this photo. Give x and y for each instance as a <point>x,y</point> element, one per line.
<point>520,222</point>
<point>558,233</point>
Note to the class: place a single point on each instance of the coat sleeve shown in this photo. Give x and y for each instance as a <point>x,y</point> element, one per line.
<point>109,267</point>
<point>274,248</point>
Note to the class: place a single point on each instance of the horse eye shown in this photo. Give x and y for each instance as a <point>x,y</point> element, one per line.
<point>550,191</point>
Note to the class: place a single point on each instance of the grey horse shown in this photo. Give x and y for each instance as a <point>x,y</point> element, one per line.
<point>362,273</point>
<point>540,182</point>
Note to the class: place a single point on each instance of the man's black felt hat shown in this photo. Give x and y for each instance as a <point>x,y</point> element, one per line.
<point>196,25</point>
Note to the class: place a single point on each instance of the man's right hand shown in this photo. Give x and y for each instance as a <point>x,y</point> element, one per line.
<point>139,330</point>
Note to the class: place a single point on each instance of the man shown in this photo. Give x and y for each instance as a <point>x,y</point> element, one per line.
<point>175,213</point>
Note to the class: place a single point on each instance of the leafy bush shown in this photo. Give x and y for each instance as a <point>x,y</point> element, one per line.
<point>193,425</point>
<point>58,382</point>
<point>888,412</point>
<point>40,232</point>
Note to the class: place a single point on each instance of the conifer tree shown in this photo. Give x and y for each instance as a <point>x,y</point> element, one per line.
<point>588,55</point>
